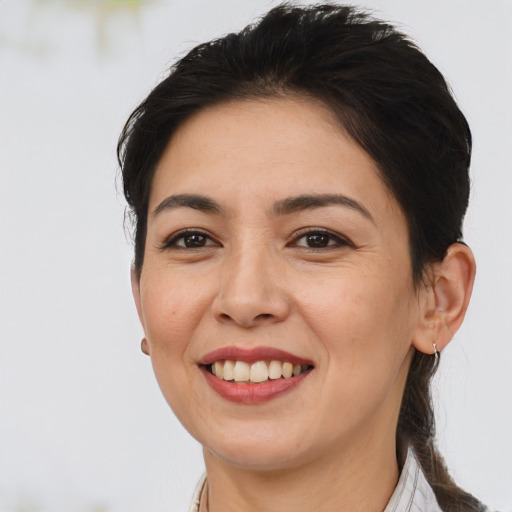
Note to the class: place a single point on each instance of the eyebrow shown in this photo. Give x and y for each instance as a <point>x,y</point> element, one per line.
<point>308,202</point>
<point>283,207</point>
<point>194,201</point>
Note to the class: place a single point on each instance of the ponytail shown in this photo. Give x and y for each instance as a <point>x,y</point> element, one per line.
<point>416,428</point>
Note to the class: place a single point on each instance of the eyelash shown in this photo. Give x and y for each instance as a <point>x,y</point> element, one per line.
<point>172,241</point>
<point>339,241</point>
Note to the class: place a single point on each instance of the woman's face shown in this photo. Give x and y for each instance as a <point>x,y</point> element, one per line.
<point>271,239</point>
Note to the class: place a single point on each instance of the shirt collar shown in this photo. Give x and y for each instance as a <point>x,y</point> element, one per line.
<point>194,507</point>
<point>412,493</point>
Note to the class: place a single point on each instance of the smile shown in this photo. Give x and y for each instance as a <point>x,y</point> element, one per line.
<point>257,372</point>
<point>252,376</point>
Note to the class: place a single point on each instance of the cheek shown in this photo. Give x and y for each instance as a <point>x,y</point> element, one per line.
<point>171,309</point>
<point>363,322</point>
<point>350,306</point>
<point>360,325</point>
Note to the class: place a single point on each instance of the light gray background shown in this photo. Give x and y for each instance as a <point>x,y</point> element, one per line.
<point>82,424</point>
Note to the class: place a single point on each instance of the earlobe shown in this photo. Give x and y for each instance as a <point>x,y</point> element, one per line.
<point>447,298</point>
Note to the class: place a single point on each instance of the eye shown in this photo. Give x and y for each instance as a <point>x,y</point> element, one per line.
<point>189,239</point>
<point>320,239</point>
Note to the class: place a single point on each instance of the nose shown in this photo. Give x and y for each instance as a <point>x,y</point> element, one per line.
<point>251,291</point>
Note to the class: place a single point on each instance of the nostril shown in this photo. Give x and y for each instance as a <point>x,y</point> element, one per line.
<point>264,316</point>
<point>246,321</point>
<point>250,310</point>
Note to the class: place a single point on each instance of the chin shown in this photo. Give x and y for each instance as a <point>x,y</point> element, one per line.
<point>269,451</point>
<point>255,458</point>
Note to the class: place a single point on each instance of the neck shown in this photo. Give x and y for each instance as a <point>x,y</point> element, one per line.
<point>362,480</point>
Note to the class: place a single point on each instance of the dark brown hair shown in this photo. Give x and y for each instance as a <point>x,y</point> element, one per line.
<point>389,98</point>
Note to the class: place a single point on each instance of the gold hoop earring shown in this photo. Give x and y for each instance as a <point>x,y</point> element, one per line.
<point>144,346</point>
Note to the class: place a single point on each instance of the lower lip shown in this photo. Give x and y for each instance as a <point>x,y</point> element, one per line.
<point>252,393</point>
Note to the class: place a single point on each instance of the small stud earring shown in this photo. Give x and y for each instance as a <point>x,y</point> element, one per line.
<point>436,352</point>
<point>144,346</point>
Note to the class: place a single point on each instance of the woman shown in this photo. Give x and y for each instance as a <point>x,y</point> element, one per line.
<point>298,191</point>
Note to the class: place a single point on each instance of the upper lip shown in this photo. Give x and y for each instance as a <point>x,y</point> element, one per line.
<point>251,355</point>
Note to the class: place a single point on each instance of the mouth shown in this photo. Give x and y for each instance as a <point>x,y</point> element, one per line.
<point>253,376</point>
<point>256,372</point>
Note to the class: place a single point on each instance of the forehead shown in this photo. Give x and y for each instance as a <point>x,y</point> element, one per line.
<point>270,149</point>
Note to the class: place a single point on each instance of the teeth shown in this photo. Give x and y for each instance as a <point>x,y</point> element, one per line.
<point>275,369</point>
<point>218,369</point>
<point>241,372</point>
<point>228,370</point>
<point>287,370</point>
<point>260,371</point>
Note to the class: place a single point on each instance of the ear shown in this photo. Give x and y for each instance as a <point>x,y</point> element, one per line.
<point>443,302</point>
<point>135,278</point>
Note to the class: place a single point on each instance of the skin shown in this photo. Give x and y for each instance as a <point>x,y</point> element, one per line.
<point>350,306</point>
